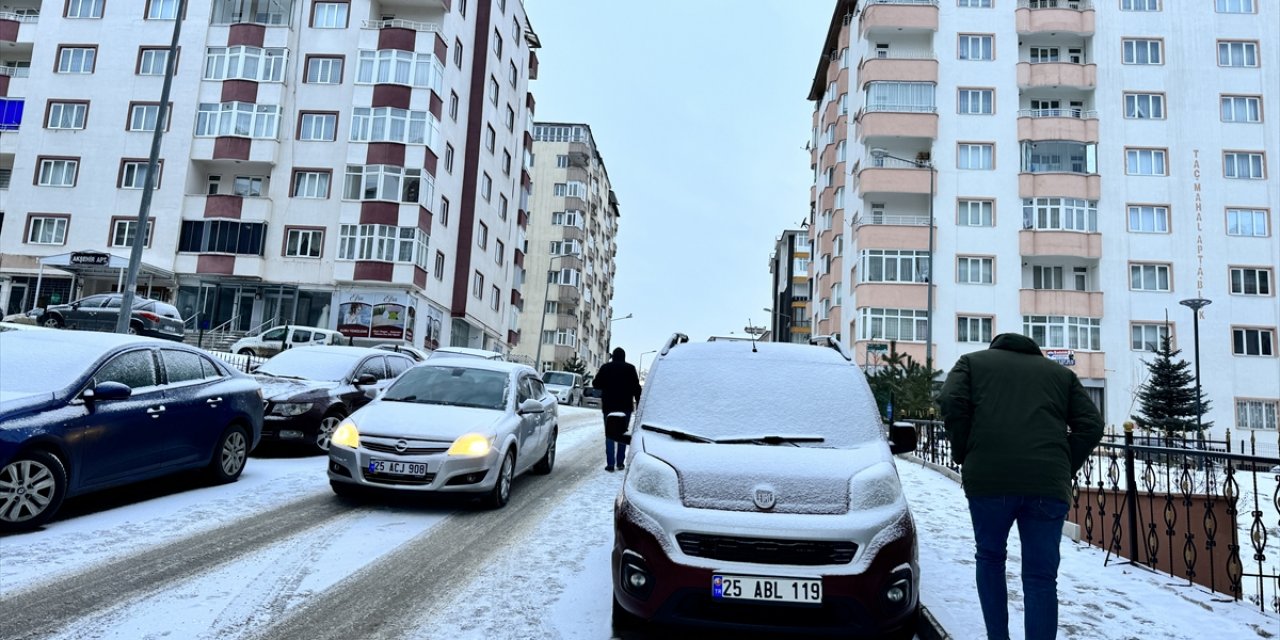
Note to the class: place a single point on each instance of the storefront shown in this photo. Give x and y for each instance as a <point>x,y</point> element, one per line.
<point>65,277</point>
<point>250,306</point>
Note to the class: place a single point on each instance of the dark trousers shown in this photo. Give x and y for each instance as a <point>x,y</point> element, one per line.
<point>1039,522</point>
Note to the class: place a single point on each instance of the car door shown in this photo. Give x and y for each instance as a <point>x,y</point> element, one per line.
<point>121,438</point>
<point>197,412</point>
<point>269,342</point>
<point>375,366</point>
<point>84,314</point>
<point>300,338</point>
<point>549,409</point>
<point>527,432</point>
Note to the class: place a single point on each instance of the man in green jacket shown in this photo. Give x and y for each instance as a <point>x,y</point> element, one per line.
<point>1021,425</point>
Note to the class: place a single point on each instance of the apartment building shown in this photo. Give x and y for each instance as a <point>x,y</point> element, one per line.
<point>356,164</point>
<point>789,293</point>
<point>572,239</point>
<point>1067,169</point>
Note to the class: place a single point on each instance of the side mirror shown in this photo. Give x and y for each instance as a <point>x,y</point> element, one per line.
<point>106,391</point>
<point>902,437</point>
<point>365,379</point>
<point>530,406</point>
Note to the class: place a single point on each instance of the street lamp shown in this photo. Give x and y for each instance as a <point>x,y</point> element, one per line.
<point>933,179</point>
<point>546,293</point>
<point>774,322</point>
<point>626,317</point>
<point>642,359</point>
<point>1196,305</point>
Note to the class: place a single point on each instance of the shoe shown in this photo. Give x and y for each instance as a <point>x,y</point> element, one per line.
<point>609,468</point>
<point>621,466</point>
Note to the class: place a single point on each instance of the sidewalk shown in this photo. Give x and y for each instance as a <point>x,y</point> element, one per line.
<point>1096,602</point>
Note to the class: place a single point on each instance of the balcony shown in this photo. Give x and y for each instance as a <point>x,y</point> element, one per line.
<point>1060,302</point>
<point>1058,124</point>
<point>899,16</point>
<point>1073,244</point>
<point>397,23</point>
<point>892,295</point>
<point>889,121</point>
<point>11,113</point>
<point>1089,364</point>
<point>1070,185</point>
<point>919,66</point>
<point>887,175</point>
<point>1053,75</point>
<point>19,24</point>
<point>247,209</point>
<point>1055,16</point>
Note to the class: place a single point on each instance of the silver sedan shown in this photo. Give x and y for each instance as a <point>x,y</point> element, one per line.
<point>456,425</point>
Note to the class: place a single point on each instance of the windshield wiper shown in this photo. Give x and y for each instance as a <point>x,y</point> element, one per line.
<point>404,399</point>
<point>770,440</point>
<point>678,435</point>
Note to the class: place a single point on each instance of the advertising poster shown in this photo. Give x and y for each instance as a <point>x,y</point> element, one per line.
<point>376,314</point>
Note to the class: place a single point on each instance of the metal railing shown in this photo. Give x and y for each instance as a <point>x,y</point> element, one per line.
<point>1074,5</point>
<point>1057,113</point>
<point>893,219</point>
<point>398,23</point>
<point>932,3</point>
<point>898,108</point>
<point>15,72</point>
<point>900,54</point>
<point>27,18</point>
<point>262,326</point>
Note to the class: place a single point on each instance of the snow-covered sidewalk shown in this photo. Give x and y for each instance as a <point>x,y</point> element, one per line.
<point>1096,602</point>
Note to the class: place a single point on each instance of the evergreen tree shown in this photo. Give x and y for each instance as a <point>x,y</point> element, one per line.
<point>906,381</point>
<point>1167,402</point>
<point>574,365</point>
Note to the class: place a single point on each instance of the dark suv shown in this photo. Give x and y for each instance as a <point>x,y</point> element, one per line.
<point>100,312</point>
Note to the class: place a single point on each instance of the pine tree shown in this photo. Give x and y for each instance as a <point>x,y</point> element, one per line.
<point>574,365</point>
<point>1167,402</point>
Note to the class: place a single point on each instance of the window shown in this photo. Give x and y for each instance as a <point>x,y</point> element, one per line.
<point>1064,332</point>
<point>162,9</point>
<point>1047,278</point>
<point>438,268</point>
<point>1145,162</point>
<point>1148,219</point>
<point>494,294</point>
<point>1142,51</point>
<point>567,218</point>
<point>444,212</point>
<point>243,119</point>
<point>84,8</point>
<point>1139,5</point>
<point>1149,277</point>
<point>143,116</point>
<point>47,230</point>
<point>1040,55</point>
<point>506,162</point>
<point>1247,281</point>
<point>457,53</point>
<point>975,156</point>
<point>974,270</point>
<point>389,124</point>
<point>1059,157</point>
<point>482,236</point>
<point>901,96</point>
<point>975,213</point>
<point>1146,336</point>
<point>562,161</point>
<point>1234,6</point>
<point>499,251</point>
<point>245,63</point>
<point>512,74</point>
<point>493,91</point>
<point>263,12</point>
<point>311,183</point>
<point>323,70</point>
<point>1247,222</point>
<point>76,59</point>
<point>973,329</point>
<point>511,119</point>
<point>329,15</point>
<point>486,187</point>
<point>1144,106</point>
<point>1241,109</point>
<point>383,243</point>
<point>222,236</point>
<point>974,4</point>
<point>317,126</point>
<point>393,66</point>
<point>453,106</point>
<point>497,43</point>
<point>448,158</point>
<point>66,115</point>
<point>248,186</point>
<point>976,101</point>
<point>57,172</point>
<point>477,285</point>
<point>1237,54</point>
<point>133,174</point>
<point>892,265</point>
<point>122,231</point>
<point>303,243</point>
<point>906,325</point>
<point>152,61</point>
<point>1243,165</point>
<point>976,47</point>
<point>490,138</point>
<point>1253,341</point>
<point>388,183</point>
<point>502,207</point>
<point>1256,414</point>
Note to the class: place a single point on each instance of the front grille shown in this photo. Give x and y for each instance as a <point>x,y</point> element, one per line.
<point>410,451</point>
<point>766,551</point>
<point>400,480</point>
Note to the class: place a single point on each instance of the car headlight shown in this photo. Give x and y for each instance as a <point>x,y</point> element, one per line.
<point>873,487</point>
<point>650,476</point>
<point>290,408</point>
<point>346,435</point>
<point>471,444</point>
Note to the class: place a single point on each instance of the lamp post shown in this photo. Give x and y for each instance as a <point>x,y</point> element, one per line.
<point>642,360</point>
<point>1196,305</point>
<point>774,322</point>
<point>626,317</point>
<point>933,179</point>
<point>546,293</point>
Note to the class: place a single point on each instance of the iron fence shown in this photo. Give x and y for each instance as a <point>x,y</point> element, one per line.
<point>243,362</point>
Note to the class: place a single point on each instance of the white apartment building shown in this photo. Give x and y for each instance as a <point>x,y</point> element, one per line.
<point>355,164</point>
<point>1080,167</point>
<point>572,243</point>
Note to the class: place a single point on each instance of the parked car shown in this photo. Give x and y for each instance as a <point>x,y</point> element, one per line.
<point>449,426</point>
<point>272,341</point>
<point>101,312</point>
<point>591,397</point>
<point>413,352</point>
<point>466,352</point>
<point>761,496</point>
<point>310,390</point>
<point>567,386</point>
<point>82,412</point>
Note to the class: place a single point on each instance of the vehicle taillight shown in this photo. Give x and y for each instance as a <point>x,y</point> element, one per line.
<point>149,316</point>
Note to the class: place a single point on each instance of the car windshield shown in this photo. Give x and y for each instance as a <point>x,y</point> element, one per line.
<point>32,365</point>
<point>457,386</point>
<point>558,377</point>
<point>332,366</point>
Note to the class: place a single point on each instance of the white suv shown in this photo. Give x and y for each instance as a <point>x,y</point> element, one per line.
<point>271,342</point>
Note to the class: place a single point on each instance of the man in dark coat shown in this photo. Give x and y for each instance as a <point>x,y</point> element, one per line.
<point>1021,425</point>
<point>619,386</point>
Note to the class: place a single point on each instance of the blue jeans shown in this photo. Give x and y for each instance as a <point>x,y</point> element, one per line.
<point>1040,530</point>
<point>610,456</point>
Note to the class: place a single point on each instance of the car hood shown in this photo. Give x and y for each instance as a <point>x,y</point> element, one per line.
<point>556,388</point>
<point>281,389</point>
<point>424,421</point>
<point>14,403</point>
<point>803,479</point>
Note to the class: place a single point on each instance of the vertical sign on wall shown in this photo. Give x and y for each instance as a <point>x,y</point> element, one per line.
<point>1195,173</point>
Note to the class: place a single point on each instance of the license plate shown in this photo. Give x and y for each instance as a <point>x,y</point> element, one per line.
<point>394,468</point>
<point>733,587</point>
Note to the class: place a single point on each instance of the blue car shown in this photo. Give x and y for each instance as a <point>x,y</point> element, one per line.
<point>82,411</point>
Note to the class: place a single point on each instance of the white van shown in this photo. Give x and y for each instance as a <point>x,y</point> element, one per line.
<point>567,386</point>
<point>271,342</point>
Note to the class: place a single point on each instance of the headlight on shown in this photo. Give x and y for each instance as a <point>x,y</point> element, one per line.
<point>471,444</point>
<point>290,408</point>
<point>650,476</point>
<point>873,487</point>
<point>346,435</point>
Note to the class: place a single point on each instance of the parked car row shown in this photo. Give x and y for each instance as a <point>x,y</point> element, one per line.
<point>101,313</point>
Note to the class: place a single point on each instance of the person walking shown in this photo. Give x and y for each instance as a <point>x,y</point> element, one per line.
<point>1020,425</point>
<point>619,386</point>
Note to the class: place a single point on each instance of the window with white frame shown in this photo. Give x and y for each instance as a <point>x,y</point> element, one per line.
<point>245,63</point>
<point>143,116</point>
<point>152,61</point>
<point>329,15</point>
<point>1237,53</point>
<point>844,104</point>
<point>437,269</point>
<point>1241,108</point>
<point>494,91</point>
<point>499,251</point>
<point>383,243</point>
<point>477,285</point>
<point>486,187</point>
<point>84,8</point>
<point>162,9</point>
<point>122,231</point>
<point>76,59</point>
<point>1145,162</point>
<point>1048,278</point>
<point>1251,281</point>
<point>562,161</point>
<point>47,230</point>
<point>133,175</point>
<point>490,138</point>
<point>66,115</point>
<point>387,183</point>
<point>1147,218</point>
<point>57,173</point>
<point>975,213</point>
<point>893,265</point>
<point>901,96</point>
<point>974,4</point>
<point>494,297</point>
<point>1253,341</point>
<point>510,120</point>
<point>1064,332</point>
<point>1248,222</point>
<point>502,206</point>
<point>973,329</point>
<point>567,218</point>
<point>318,126</point>
<point>1142,51</point>
<point>263,12</point>
<point>1041,55</point>
<point>1235,6</point>
<point>311,184</point>
<point>248,186</point>
<point>393,66</point>
<point>976,101</point>
<point>324,70</point>
<point>974,270</point>
<point>241,119</point>
<point>905,325</point>
<point>841,151</point>
<point>976,46</point>
<point>1144,106</point>
<point>1256,415</point>
<point>1243,165</point>
<point>1147,336</point>
<point>1139,5</point>
<point>303,243</point>
<point>567,277</point>
<point>482,235</point>
<point>975,156</point>
<point>443,218</point>
<point>1149,277</point>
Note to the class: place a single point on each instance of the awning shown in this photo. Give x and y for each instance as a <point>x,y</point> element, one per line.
<point>98,264</point>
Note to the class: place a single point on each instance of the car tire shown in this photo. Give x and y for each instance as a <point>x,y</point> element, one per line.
<point>135,329</point>
<point>345,491</point>
<point>324,433</point>
<point>623,619</point>
<point>548,460</point>
<point>498,496</point>
<point>52,322</point>
<point>35,484</point>
<point>247,352</point>
<point>230,455</point>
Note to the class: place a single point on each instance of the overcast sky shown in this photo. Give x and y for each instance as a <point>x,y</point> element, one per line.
<point>700,111</point>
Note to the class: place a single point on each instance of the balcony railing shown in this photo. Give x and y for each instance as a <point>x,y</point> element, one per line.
<point>398,23</point>
<point>28,18</point>
<point>900,108</point>
<point>932,3</point>
<point>894,163</point>
<point>1057,113</point>
<point>1074,5</point>
<point>908,220</point>
<point>15,72</point>
<point>903,54</point>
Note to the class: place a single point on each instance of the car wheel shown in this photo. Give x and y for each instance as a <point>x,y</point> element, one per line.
<point>328,425</point>
<point>53,322</point>
<point>549,460</point>
<point>501,492</point>
<point>247,352</point>
<point>623,619</point>
<point>32,487</point>
<point>345,491</point>
<point>230,455</point>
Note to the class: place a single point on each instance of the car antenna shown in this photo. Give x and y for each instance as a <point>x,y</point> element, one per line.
<point>753,336</point>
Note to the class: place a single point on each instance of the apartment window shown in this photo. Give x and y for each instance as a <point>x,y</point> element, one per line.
<point>387,183</point>
<point>76,59</point>
<point>499,251</point>
<point>1140,51</point>
<point>506,162</point>
<point>1234,6</point>
<point>974,4</point>
<point>1147,336</point>
<point>1241,108</point>
<point>263,12</point>
<point>152,61</point>
<point>901,96</point>
<point>324,70</point>
<point>567,218</point>
<point>1249,281</point>
<point>57,172</point>
<point>975,213</point>
<point>389,124</point>
<point>1040,55</point>
<point>975,156</point>
<point>1148,218</point>
<point>1237,54</point>
<point>976,47</point>
<point>162,9</point>
<point>457,53</point>
<point>317,126</point>
<point>444,212</point>
<point>844,104</point>
<point>222,236</point>
<point>562,161</point>
<point>486,187</point>
<point>438,268</point>
<point>1145,162</point>
<point>1139,5</point>
<point>511,119</point>
<point>477,285</point>
<point>973,329</point>
<point>493,91</point>
<point>1243,165</point>
<point>1256,415</point>
<point>453,106</point>
<point>976,101</point>
<point>243,119</point>
<point>502,207</point>
<point>1246,341</point>
<point>1247,222</point>
<point>842,151</point>
<point>329,15</point>
<point>47,229</point>
<point>303,243</point>
<point>383,243</point>
<point>1144,106</point>
<point>974,270</point>
<point>448,158</point>
<point>122,232</point>
<point>1064,332</point>
<point>66,115</point>
<point>133,174</point>
<point>490,138</point>
<point>248,186</point>
<point>84,8</point>
<point>312,184</point>
<point>1047,278</point>
<point>1149,277</point>
<point>893,265</point>
<point>482,236</point>
<point>512,74</point>
<point>497,43</point>
<point>245,63</point>
<point>494,297</point>
<point>143,117</point>
<point>393,66</point>
<point>905,325</point>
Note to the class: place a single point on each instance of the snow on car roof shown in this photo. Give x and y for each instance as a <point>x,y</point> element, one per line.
<point>94,340</point>
<point>473,363</point>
